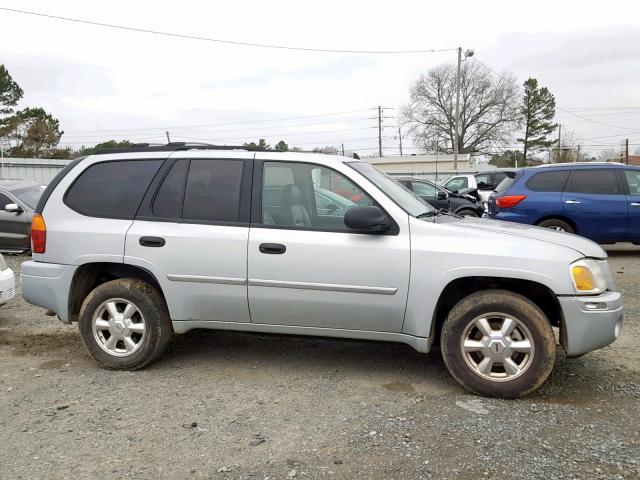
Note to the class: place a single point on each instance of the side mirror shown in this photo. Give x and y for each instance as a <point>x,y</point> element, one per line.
<point>441,195</point>
<point>13,208</point>
<point>370,219</point>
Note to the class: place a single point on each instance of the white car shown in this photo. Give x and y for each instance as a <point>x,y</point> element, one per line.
<point>7,282</point>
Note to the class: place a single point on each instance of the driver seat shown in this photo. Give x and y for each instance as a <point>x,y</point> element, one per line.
<point>292,211</point>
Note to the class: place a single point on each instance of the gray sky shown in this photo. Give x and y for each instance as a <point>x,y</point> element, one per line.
<point>103,83</point>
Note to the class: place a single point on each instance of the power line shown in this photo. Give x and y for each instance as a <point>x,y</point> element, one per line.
<point>220,41</point>
<point>244,122</point>
<point>258,132</point>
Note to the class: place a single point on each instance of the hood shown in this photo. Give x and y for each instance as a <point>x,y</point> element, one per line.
<point>580,244</point>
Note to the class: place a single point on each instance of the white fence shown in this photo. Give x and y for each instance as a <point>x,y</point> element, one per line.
<point>37,169</point>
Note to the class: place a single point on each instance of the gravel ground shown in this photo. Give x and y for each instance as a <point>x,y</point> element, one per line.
<point>224,405</point>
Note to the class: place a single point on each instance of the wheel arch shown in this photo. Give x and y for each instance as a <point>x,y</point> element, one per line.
<point>88,276</point>
<point>564,218</point>
<point>459,288</point>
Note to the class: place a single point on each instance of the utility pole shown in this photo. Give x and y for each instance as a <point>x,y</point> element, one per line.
<point>168,139</point>
<point>343,149</point>
<point>577,155</point>
<point>626,151</point>
<point>379,131</point>
<point>1,162</point>
<point>457,116</point>
<point>400,139</point>
<point>515,159</point>
<point>559,142</point>
<point>468,53</point>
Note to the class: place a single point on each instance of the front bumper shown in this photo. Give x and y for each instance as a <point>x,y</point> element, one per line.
<point>7,285</point>
<point>47,285</point>
<point>590,322</point>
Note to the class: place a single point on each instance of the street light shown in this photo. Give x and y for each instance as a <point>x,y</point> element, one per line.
<point>467,54</point>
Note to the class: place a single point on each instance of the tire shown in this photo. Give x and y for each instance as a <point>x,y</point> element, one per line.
<point>465,212</point>
<point>530,324</point>
<point>148,327</point>
<point>557,224</point>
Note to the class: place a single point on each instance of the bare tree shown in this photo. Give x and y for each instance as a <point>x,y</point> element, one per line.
<point>489,109</point>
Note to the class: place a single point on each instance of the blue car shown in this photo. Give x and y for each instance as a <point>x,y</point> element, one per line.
<point>600,201</point>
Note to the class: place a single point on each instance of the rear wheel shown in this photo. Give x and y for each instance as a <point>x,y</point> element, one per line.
<point>556,224</point>
<point>498,343</point>
<point>124,324</point>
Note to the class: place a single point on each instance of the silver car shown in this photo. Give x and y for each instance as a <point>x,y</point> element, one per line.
<point>136,246</point>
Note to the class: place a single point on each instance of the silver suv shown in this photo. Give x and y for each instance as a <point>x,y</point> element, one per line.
<point>137,245</point>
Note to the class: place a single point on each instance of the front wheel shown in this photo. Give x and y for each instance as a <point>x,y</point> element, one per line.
<point>498,343</point>
<point>124,324</point>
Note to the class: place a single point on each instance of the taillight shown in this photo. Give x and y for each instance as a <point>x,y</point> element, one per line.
<point>509,201</point>
<point>38,234</point>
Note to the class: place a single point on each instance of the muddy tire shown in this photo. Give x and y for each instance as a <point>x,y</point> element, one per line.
<point>556,224</point>
<point>498,343</point>
<point>124,324</point>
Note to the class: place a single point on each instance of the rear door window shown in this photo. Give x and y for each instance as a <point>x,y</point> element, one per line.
<point>212,193</point>
<point>548,181</point>
<point>112,189</point>
<point>599,181</point>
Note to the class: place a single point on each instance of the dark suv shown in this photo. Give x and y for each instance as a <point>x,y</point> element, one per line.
<point>600,201</point>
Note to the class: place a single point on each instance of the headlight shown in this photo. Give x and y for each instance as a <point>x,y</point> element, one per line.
<point>588,277</point>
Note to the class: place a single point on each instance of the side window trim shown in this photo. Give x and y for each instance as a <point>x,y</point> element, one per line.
<point>256,202</point>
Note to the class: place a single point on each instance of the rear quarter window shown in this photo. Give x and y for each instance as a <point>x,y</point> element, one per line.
<point>508,180</point>
<point>112,189</point>
<point>548,181</point>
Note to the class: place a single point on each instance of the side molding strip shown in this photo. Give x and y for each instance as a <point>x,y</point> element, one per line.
<point>329,287</point>
<point>204,279</point>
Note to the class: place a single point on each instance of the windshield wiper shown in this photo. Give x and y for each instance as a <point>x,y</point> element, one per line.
<point>429,214</point>
<point>442,211</point>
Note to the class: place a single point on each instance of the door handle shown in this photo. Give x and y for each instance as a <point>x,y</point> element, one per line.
<point>635,204</point>
<point>152,241</point>
<point>572,202</point>
<point>272,248</point>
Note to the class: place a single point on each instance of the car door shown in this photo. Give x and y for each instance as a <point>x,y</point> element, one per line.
<point>632,181</point>
<point>14,231</point>
<point>191,232</point>
<point>310,270</point>
<point>594,199</point>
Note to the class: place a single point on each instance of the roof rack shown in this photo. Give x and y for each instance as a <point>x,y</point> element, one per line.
<point>171,147</point>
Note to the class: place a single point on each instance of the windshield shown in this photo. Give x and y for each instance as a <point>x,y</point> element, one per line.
<point>405,198</point>
<point>29,195</point>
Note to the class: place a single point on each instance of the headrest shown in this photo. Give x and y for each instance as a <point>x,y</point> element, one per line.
<point>291,195</point>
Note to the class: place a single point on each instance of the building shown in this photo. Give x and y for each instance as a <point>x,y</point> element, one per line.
<point>424,163</point>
